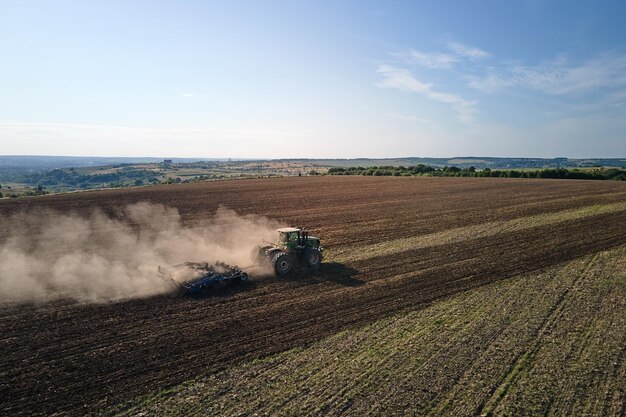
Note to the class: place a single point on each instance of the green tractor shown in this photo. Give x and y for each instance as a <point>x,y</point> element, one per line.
<point>294,246</point>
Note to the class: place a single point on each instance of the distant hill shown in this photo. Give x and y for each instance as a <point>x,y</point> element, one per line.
<point>477,162</point>
<point>35,162</point>
<point>43,163</point>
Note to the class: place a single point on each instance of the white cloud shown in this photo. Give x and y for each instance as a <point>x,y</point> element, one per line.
<point>438,60</point>
<point>402,79</point>
<point>607,71</point>
<point>470,52</point>
<point>431,59</point>
<point>492,81</point>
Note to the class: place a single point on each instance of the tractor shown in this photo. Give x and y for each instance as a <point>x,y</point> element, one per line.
<point>294,246</point>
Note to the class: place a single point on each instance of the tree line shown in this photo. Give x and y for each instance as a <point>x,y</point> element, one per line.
<point>452,171</point>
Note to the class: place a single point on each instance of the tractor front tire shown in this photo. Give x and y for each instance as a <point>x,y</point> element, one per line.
<point>282,263</point>
<point>313,258</point>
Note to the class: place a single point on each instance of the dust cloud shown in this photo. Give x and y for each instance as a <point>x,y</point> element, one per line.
<point>47,255</point>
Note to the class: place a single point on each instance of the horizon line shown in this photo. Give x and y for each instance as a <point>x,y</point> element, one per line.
<point>301,158</point>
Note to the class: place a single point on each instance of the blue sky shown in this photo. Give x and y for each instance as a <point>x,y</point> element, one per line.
<point>273,79</point>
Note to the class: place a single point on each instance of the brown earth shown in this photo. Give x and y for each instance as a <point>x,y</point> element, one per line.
<point>74,359</point>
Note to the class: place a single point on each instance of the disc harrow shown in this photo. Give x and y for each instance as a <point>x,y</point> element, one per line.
<point>194,278</point>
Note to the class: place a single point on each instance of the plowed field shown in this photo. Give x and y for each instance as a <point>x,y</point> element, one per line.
<point>393,245</point>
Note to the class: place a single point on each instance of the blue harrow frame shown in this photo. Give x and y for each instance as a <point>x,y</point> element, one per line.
<point>205,277</point>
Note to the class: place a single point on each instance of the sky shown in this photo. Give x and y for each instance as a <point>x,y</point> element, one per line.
<point>313,79</point>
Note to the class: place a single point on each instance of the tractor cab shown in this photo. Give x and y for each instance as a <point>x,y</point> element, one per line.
<point>288,235</point>
<point>293,238</point>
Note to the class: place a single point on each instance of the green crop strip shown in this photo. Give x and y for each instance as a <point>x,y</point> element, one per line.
<point>460,234</point>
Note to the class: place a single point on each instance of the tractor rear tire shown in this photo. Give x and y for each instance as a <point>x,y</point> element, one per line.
<point>282,263</point>
<point>312,257</point>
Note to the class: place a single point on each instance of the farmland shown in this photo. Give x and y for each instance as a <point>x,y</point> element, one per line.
<point>444,296</point>
<point>30,176</point>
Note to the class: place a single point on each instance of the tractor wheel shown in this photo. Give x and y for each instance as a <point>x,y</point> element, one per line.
<point>313,258</point>
<point>282,263</point>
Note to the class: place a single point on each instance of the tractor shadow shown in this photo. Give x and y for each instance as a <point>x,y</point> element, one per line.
<point>332,272</point>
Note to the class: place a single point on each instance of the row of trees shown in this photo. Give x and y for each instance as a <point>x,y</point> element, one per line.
<point>596,174</point>
<point>384,170</point>
<point>60,178</point>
